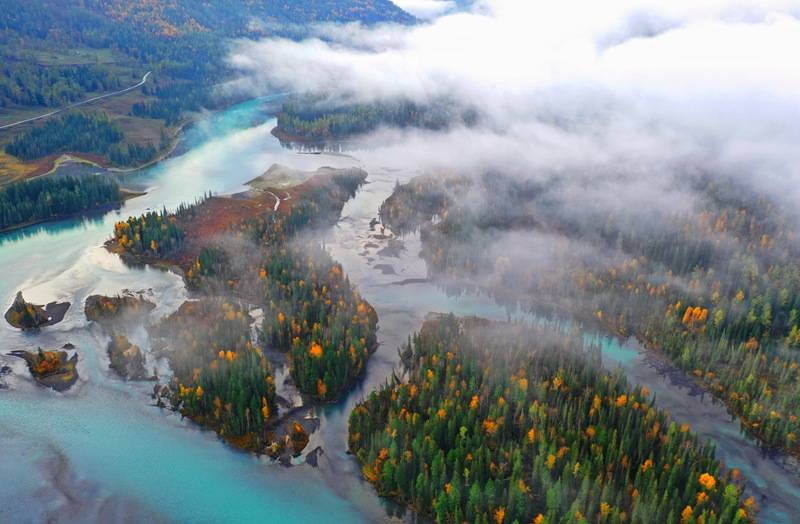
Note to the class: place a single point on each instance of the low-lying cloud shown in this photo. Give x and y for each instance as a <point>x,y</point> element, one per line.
<point>623,97</point>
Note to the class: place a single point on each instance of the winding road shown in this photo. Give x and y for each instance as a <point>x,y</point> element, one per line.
<point>83,102</point>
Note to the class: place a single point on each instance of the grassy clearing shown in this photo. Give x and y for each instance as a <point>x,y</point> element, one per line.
<point>11,169</point>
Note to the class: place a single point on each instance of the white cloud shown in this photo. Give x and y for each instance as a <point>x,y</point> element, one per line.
<point>511,46</point>
<point>647,88</point>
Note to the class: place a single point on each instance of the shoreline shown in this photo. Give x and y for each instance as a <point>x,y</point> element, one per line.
<point>61,379</point>
<point>100,162</point>
<point>787,459</point>
<point>125,195</point>
<point>49,164</point>
<point>288,140</point>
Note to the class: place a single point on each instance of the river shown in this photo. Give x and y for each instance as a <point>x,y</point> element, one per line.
<point>102,452</point>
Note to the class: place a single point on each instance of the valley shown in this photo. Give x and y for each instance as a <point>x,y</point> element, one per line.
<point>326,261</point>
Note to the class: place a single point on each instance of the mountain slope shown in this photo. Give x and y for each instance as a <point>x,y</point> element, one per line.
<point>54,53</point>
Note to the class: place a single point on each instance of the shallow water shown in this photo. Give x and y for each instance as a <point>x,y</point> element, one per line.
<point>401,309</point>
<point>101,452</point>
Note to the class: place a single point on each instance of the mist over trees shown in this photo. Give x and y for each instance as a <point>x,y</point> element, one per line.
<point>714,288</point>
<point>255,256</point>
<point>313,118</point>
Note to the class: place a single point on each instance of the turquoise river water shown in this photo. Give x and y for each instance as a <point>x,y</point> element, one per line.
<point>102,452</point>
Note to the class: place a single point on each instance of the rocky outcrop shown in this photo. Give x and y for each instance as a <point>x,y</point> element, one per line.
<point>27,316</point>
<point>127,360</point>
<point>54,369</point>
<point>127,306</point>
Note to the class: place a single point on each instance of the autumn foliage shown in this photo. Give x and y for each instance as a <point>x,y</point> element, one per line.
<point>714,288</point>
<point>462,440</point>
<point>222,379</point>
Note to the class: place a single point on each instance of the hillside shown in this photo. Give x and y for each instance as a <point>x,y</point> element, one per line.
<point>238,17</point>
<point>53,57</point>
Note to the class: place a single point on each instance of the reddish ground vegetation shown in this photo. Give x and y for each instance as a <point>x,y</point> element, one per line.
<point>219,215</point>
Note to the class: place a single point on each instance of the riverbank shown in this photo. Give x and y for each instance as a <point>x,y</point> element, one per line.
<point>290,140</point>
<point>200,478</point>
<point>50,164</point>
<point>217,215</point>
<point>313,315</point>
<point>125,194</point>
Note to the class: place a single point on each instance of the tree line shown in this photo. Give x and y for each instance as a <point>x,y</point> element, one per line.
<point>508,424</point>
<point>155,234</point>
<point>715,288</point>
<point>35,85</point>
<point>92,133</point>
<point>315,119</point>
<point>51,197</point>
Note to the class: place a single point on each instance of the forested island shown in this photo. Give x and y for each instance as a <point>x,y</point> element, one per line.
<point>714,289</point>
<point>311,312</point>
<point>121,308</point>
<point>53,369</point>
<point>117,314</point>
<point>46,198</point>
<point>126,359</point>
<point>508,423</point>
<point>30,317</point>
<point>313,119</point>
<point>222,379</point>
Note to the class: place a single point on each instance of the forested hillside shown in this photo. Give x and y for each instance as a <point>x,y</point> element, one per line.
<point>33,85</point>
<point>52,56</point>
<point>238,17</point>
